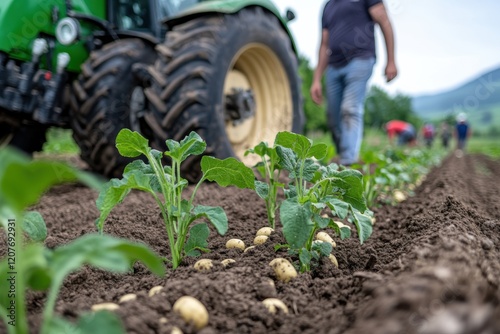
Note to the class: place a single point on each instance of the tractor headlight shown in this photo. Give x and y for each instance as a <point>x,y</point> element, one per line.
<point>67,31</point>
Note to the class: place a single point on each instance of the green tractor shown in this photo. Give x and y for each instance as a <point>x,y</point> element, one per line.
<point>226,69</point>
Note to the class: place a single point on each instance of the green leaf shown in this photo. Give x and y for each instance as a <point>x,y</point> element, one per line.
<point>262,189</point>
<point>102,322</point>
<point>321,222</point>
<point>260,149</point>
<point>363,225</point>
<point>192,144</point>
<point>34,226</point>
<point>310,168</point>
<point>23,184</point>
<point>104,252</point>
<point>215,215</point>
<point>305,257</point>
<point>131,144</point>
<point>354,194</point>
<point>113,194</point>
<point>116,190</point>
<point>318,151</point>
<point>323,248</point>
<point>338,207</point>
<point>340,229</point>
<point>57,325</point>
<point>296,221</point>
<point>227,172</point>
<point>297,143</point>
<point>198,235</point>
<point>145,169</point>
<point>288,159</point>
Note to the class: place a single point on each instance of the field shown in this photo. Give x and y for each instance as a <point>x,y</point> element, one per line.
<point>430,266</point>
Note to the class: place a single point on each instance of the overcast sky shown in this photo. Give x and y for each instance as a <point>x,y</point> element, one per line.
<point>440,44</point>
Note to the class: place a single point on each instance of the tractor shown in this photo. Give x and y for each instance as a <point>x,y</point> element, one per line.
<point>227,69</point>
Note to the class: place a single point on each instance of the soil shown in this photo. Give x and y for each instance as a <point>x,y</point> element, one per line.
<point>431,265</point>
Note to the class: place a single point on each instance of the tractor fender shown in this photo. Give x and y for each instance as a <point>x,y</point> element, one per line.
<point>228,7</point>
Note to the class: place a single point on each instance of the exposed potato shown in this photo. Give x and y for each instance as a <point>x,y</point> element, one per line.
<point>399,196</point>
<point>203,265</point>
<point>273,304</point>
<point>176,330</point>
<point>192,311</point>
<point>248,248</point>
<point>105,306</point>
<point>411,187</point>
<point>163,320</point>
<point>260,239</point>
<point>283,269</point>
<point>323,236</point>
<point>155,290</point>
<point>227,262</point>
<point>334,260</point>
<point>265,231</point>
<point>374,220</point>
<point>235,243</point>
<point>128,297</point>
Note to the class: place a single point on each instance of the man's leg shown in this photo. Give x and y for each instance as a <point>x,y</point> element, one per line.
<point>334,89</point>
<point>357,74</point>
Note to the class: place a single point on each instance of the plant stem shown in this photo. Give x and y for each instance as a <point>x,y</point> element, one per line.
<point>21,318</point>
<point>48,310</point>
<point>196,189</point>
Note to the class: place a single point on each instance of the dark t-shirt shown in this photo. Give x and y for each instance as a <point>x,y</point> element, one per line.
<point>462,129</point>
<point>351,30</point>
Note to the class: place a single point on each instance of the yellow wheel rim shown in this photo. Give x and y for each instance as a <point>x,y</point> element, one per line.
<point>256,67</point>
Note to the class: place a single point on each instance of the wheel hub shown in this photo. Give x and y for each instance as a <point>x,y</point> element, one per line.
<point>240,105</point>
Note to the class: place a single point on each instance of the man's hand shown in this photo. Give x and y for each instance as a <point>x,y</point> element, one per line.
<point>317,92</point>
<point>390,71</point>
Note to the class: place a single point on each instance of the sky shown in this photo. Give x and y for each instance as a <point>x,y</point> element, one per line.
<point>440,44</point>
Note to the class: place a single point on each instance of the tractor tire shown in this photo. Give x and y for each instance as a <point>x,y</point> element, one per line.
<point>106,98</point>
<point>203,59</point>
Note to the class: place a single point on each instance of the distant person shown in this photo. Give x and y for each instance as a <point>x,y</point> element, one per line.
<point>445,134</point>
<point>428,133</point>
<point>462,131</point>
<point>404,131</point>
<point>347,53</point>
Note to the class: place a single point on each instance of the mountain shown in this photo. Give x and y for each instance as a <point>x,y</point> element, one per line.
<point>478,98</point>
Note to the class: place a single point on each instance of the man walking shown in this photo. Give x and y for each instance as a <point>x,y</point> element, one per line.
<point>347,53</point>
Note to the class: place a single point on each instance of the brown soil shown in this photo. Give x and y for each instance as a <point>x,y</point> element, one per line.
<point>431,265</point>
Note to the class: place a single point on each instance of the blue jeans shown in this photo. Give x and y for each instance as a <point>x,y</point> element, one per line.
<point>346,90</point>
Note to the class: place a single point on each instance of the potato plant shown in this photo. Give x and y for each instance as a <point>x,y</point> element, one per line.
<point>313,190</point>
<point>178,213</point>
<point>29,264</point>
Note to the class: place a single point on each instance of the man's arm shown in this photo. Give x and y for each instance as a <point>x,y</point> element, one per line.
<point>316,88</point>
<point>379,16</point>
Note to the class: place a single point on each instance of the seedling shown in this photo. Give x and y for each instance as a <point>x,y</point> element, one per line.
<point>270,170</point>
<point>178,213</point>
<point>313,190</point>
<point>29,264</point>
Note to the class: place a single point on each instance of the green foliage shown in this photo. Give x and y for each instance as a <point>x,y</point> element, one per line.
<point>380,108</point>
<point>178,213</point>
<point>313,190</point>
<point>390,169</point>
<point>22,183</point>
<point>60,141</point>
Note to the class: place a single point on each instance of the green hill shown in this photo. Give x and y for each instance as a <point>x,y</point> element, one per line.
<point>479,98</point>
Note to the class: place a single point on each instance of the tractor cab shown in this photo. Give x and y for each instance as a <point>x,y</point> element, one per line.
<point>145,15</point>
